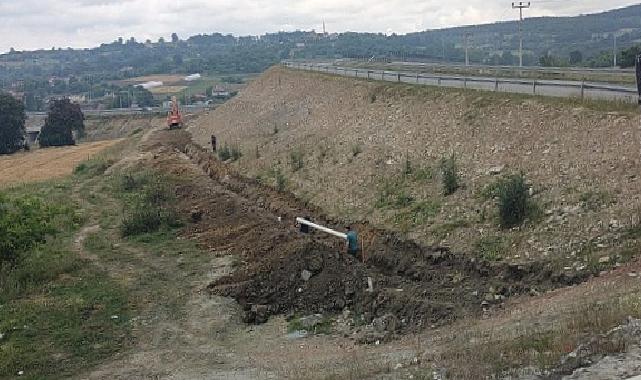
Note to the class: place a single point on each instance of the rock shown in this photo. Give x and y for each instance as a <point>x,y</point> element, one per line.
<point>386,323</point>
<point>20,373</point>
<point>297,335</point>
<point>614,224</point>
<point>496,170</point>
<point>306,275</point>
<point>368,336</point>
<point>196,215</point>
<point>311,321</point>
<point>257,314</point>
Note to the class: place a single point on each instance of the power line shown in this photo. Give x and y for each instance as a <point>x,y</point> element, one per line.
<point>520,6</point>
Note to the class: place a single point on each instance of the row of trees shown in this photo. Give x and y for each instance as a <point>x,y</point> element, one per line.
<point>63,120</point>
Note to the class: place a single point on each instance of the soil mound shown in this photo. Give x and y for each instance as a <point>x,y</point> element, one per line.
<point>312,278</point>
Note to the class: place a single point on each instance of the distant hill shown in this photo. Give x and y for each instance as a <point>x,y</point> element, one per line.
<point>590,34</point>
<point>554,41</point>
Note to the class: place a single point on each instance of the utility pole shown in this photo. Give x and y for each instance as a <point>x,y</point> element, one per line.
<point>614,51</point>
<point>520,6</point>
<point>467,57</point>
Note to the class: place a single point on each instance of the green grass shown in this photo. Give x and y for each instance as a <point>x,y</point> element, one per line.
<point>594,200</point>
<point>56,313</point>
<point>324,327</point>
<point>492,248</point>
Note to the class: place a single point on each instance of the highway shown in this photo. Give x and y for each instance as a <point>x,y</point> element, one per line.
<point>555,88</point>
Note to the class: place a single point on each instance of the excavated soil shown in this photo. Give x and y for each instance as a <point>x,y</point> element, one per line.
<point>414,286</point>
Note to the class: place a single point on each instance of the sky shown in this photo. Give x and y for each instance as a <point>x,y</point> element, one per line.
<point>34,24</point>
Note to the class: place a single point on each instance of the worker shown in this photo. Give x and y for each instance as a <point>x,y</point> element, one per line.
<point>213,143</point>
<point>352,241</point>
<point>304,228</point>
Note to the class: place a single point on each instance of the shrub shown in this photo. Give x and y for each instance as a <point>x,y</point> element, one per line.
<point>492,248</point>
<point>93,167</point>
<point>356,150</point>
<point>450,176</point>
<point>281,181</point>
<point>513,199</point>
<point>296,160</point>
<point>24,222</point>
<point>229,153</point>
<point>148,204</point>
<point>408,170</point>
<point>236,154</point>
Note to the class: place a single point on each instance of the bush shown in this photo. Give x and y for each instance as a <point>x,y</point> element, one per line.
<point>296,160</point>
<point>513,200</point>
<point>148,202</point>
<point>450,176</point>
<point>492,248</point>
<point>281,181</point>
<point>356,150</point>
<point>24,222</point>
<point>229,153</point>
<point>93,167</point>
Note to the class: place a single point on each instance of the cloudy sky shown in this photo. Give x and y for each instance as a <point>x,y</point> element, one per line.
<point>33,24</point>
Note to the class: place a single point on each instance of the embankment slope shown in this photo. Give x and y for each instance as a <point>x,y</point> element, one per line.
<point>344,144</point>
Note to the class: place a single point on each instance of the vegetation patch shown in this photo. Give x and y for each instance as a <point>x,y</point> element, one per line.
<point>492,248</point>
<point>148,203</point>
<point>594,200</point>
<point>296,160</point>
<point>229,153</point>
<point>449,175</point>
<point>93,167</point>
<point>58,315</point>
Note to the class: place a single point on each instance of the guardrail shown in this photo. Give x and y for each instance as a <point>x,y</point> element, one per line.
<point>566,89</point>
<point>131,111</point>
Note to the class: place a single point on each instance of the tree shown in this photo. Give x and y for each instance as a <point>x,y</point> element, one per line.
<point>174,38</point>
<point>63,119</point>
<point>628,56</point>
<point>576,57</point>
<point>12,130</point>
<point>161,40</point>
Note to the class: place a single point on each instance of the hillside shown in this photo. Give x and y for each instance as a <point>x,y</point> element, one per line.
<point>591,35</point>
<point>345,145</point>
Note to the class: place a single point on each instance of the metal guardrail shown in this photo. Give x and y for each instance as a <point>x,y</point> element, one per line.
<point>567,89</point>
<point>130,111</point>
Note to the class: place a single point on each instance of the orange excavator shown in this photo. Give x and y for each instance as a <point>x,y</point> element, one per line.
<point>174,117</point>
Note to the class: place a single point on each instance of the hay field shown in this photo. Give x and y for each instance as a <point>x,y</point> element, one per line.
<point>44,164</point>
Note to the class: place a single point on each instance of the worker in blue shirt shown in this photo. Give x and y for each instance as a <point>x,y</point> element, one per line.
<point>352,241</point>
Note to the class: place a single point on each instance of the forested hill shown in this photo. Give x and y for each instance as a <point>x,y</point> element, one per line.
<point>547,40</point>
<point>592,35</point>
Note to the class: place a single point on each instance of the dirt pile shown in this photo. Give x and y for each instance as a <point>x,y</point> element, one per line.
<point>313,278</point>
<point>283,272</point>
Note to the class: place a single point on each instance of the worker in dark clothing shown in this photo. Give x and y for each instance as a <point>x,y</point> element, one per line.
<point>213,143</point>
<point>304,228</point>
<point>352,241</point>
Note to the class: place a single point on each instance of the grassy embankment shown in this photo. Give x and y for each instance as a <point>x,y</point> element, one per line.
<point>66,303</point>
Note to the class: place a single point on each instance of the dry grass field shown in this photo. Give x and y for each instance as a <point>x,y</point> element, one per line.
<point>44,164</point>
<point>165,78</point>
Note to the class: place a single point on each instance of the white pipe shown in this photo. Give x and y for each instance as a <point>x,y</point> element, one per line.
<point>321,228</point>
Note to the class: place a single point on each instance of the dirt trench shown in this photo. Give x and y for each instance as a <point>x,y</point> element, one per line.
<point>414,286</point>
